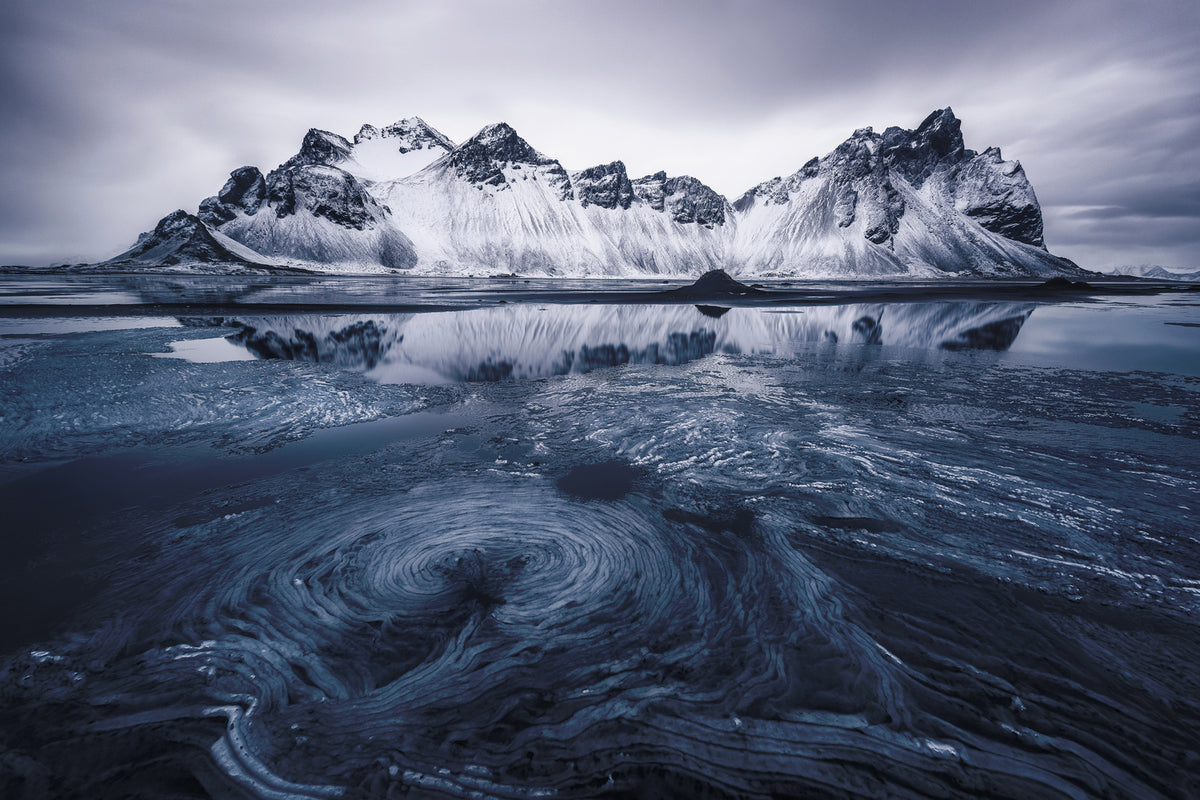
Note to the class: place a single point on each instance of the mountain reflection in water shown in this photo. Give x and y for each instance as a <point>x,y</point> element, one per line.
<point>529,342</point>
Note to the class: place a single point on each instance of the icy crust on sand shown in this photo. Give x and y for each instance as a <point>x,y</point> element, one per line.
<point>836,575</point>
<point>526,342</point>
<point>912,203</point>
<point>147,405</point>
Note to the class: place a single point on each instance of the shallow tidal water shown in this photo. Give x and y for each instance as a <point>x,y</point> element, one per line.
<point>536,549</point>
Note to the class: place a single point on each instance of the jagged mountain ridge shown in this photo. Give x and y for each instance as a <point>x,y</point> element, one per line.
<point>179,237</point>
<point>405,198</point>
<point>898,202</point>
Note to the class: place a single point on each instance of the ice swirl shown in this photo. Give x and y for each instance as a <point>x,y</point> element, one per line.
<point>507,637</point>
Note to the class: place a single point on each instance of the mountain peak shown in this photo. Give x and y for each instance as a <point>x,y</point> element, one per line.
<point>244,192</point>
<point>416,134</point>
<point>410,133</point>
<point>319,147</point>
<point>916,154</point>
<point>684,198</point>
<point>939,117</point>
<point>501,138</point>
<point>898,201</point>
<point>942,131</point>
<point>605,185</point>
<point>176,222</point>
<point>483,158</point>
<point>182,238</point>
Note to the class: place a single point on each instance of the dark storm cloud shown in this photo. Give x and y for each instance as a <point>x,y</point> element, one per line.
<point>118,112</point>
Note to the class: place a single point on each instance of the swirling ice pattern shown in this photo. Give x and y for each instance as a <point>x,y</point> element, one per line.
<point>793,600</point>
<point>545,645</point>
<point>496,638</point>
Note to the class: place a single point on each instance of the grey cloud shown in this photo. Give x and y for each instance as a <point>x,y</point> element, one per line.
<point>1170,202</point>
<point>131,109</point>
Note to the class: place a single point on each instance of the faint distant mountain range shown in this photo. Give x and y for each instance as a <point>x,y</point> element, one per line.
<point>1156,272</point>
<point>404,198</point>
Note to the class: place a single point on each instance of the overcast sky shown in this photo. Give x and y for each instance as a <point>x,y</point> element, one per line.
<point>118,112</point>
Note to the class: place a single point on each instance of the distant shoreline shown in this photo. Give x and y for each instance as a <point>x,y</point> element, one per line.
<point>417,295</point>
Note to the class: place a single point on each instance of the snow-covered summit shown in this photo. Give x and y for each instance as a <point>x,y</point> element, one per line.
<point>491,156</point>
<point>319,147</point>
<point>315,209</point>
<point>411,133</point>
<point>912,202</point>
<point>395,151</point>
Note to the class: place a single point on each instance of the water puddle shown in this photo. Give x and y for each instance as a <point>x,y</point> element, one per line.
<point>206,351</point>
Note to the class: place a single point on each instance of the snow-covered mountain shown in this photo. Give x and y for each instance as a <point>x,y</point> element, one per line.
<point>404,198</point>
<point>1155,272</point>
<point>908,202</point>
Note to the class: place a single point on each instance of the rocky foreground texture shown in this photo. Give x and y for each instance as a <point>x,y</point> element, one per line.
<point>404,198</point>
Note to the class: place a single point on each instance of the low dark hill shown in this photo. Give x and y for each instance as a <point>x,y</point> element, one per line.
<point>713,285</point>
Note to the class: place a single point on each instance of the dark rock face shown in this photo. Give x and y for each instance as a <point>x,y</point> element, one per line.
<point>244,192</point>
<point>684,198</point>
<point>887,210</point>
<point>916,154</point>
<point>179,238</point>
<point>852,159</point>
<point>482,159</point>
<point>860,176</point>
<point>323,191</point>
<point>650,189</point>
<point>1000,198</point>
<point>606,186</point>
<point>689,200</point>
<point>319,147</point>
<point>307,181</point>
<point>847,201</point>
